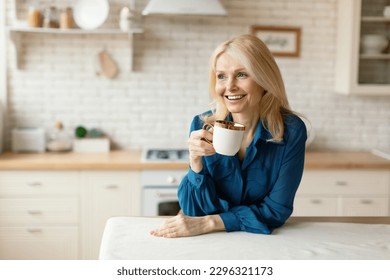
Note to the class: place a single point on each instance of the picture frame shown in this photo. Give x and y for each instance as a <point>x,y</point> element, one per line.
<point>281,41</point>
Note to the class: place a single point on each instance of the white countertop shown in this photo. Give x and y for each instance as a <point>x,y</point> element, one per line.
<point>128,238</point>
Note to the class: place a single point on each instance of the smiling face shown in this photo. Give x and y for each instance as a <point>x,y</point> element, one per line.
<point>240,93</point>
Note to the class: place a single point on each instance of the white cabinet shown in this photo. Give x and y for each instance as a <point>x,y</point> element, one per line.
<point>61,214</point>
<point>39,215</point>
<point>343,193</point>
<point>356,72</point>
<point>39,243</point>
<point>106,194</point>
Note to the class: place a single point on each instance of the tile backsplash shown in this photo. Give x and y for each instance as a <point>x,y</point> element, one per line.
<point>153,104</point>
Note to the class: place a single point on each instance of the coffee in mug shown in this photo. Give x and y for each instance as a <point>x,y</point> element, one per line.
<point>227,136</point>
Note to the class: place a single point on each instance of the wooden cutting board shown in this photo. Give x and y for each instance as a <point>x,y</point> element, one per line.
<point>108,66</point>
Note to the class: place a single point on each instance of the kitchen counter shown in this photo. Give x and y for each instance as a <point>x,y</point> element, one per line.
<point>128,238</point>
<point>114,160</point>
<point>131,160</point>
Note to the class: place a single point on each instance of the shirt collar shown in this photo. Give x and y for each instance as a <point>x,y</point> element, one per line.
<point>261,132</point>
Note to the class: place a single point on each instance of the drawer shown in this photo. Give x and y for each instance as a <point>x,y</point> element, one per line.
<point>345,182</point>
<point>369,206</point>
<point>315,206</point>
<point>39,243</point>
<point>32,211</point>
<point>38,183</point>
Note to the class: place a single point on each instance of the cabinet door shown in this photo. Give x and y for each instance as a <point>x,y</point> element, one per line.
<point>343,192</point>
<point>345,182</point>
<point>106,194</point>
<point>315,206</point>
<point>39,243</point>
<point>368,206</point>
<point>43,211</point>
<point>39,183</point>
<point>357,72</point>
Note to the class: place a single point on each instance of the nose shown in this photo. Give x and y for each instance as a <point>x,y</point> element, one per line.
<point>231,85</point>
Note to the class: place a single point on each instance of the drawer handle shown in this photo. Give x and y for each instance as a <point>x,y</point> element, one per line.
<point>316,201</point>
<point>35,184</point>
<point>34,212</point>
<point>166,195</point>
<point>341,183</point>
<point>111,187</point>
<point>366,201</point>
<point>34,230</point>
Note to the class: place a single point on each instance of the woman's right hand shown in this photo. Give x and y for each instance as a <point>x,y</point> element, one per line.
<point>198,148</point>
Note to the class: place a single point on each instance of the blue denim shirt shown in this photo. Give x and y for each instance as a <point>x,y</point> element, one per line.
<point>256,194</point>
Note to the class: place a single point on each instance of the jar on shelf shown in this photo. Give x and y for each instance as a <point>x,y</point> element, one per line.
<point>34,16</point>
<point>50,17</point>
<point>58,140</point>
<point>66,18</point>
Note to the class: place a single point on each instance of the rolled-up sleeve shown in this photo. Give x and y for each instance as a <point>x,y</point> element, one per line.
<point>198,197</point>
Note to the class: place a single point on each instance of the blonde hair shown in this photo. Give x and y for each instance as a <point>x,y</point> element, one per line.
<point>257,59</point>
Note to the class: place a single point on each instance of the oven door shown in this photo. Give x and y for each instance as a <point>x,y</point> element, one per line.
<point>160,201</point>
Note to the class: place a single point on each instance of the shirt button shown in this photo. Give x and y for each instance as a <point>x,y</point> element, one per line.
<point>198,180</point>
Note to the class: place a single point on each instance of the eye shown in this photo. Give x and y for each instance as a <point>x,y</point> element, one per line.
<point>242,75</point>
<point>221,76</point>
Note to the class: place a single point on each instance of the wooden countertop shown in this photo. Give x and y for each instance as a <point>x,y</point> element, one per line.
<point>131,160</point>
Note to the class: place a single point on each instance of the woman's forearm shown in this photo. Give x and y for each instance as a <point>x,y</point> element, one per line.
<point>216,223</point>
<point>181,226</point>
<point>196,164</point>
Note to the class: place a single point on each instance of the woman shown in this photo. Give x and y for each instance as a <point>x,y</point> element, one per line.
<point>254,190</point>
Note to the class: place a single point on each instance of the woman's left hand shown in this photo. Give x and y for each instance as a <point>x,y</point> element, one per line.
<point>182,226</point>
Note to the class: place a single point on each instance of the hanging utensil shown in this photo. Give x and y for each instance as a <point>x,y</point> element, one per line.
<point>108,67</point>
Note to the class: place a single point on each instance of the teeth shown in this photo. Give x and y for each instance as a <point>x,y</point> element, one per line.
<point>234,97</point>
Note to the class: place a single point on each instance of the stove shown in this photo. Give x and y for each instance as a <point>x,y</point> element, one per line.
<point>159,187</point>
<point>165,155</point>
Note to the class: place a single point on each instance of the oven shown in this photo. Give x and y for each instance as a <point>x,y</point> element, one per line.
<point>159,187</point>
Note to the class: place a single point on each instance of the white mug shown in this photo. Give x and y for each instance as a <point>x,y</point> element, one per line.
<point>227,136</point>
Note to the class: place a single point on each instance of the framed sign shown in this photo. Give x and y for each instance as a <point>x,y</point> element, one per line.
<point>281,41</point>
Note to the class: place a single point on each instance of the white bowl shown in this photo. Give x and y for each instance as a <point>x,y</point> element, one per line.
<point>373,43</point>
<point>386,11</point>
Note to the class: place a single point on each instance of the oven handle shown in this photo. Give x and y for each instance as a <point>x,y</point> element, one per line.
<point>165,195</point>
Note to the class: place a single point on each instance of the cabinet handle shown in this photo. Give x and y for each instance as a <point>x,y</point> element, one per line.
<point>34,230</point>
<point>111,187</point>
<point>366,201</point>
<point>166,195</point>
<point>35,184</point>
<point>34,212</point>
<point>316,201</point>
<point>341,183</point>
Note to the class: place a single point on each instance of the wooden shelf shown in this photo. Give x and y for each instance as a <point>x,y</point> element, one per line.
<point>383,56</point>
<point>74,31</point>
<point>376,19</point>
<point>16,33</point>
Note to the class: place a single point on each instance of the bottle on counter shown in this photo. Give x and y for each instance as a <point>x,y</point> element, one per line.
<point>58,140</point>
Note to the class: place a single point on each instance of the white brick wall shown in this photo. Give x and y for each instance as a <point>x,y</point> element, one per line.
<point>153,105</point>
